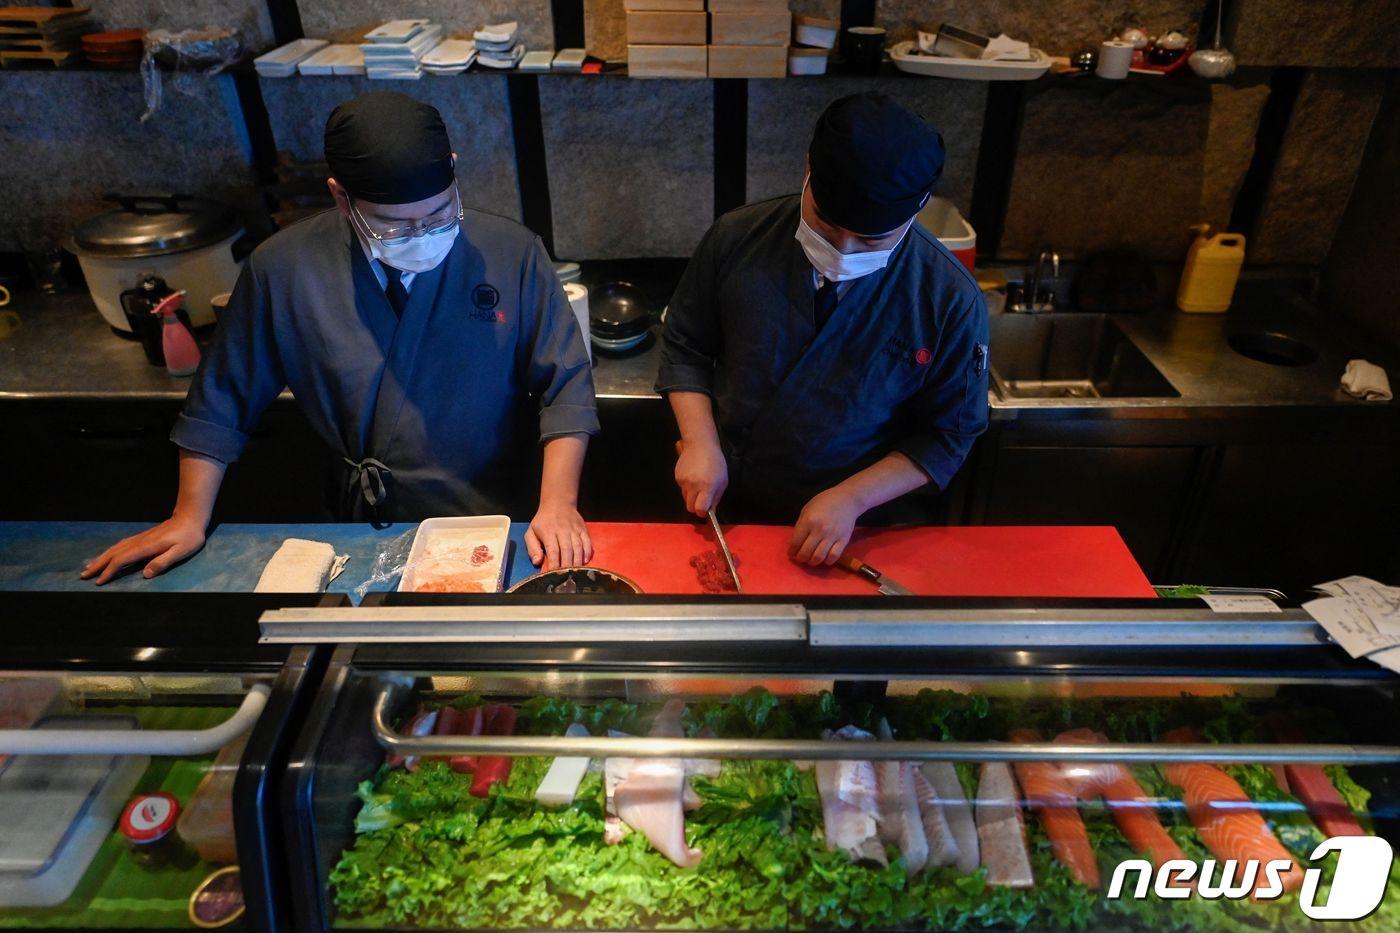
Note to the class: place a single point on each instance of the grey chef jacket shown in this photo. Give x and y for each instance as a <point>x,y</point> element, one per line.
<point>900,366</point>
<point>487,360</point>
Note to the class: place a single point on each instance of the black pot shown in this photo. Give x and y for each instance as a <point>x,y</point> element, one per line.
<point>619,317</point>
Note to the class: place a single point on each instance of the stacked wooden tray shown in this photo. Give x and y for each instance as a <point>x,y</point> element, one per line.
<point>42,35</point>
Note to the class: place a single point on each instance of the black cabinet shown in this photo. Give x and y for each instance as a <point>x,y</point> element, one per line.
<point>1141,491</point>
<point>1294,515</point>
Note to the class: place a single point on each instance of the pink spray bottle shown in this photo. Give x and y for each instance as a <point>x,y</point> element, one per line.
<point>181,354</point>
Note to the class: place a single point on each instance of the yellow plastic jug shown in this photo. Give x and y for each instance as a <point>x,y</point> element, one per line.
<point>1212,269</point>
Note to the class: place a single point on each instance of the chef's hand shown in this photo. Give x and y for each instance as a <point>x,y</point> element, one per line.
<point>558,537</point>
<point>702,475</point>
<point>160,548</point>
<point>824,528</point>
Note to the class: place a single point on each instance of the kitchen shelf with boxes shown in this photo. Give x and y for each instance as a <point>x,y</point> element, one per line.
<point>724,39</point>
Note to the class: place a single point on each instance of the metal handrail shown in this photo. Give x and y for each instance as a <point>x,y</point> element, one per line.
<point>172,742</point>
<point>514,746</point>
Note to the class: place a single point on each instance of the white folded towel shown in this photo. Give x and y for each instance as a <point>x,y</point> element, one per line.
<point>1003,48</point>
<point>300,566</point>
<point>1366,381</point>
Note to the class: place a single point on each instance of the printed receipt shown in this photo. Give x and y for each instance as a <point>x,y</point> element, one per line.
<point>1362,616</point>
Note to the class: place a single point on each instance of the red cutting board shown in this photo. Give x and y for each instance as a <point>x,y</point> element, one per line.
<point>1072,561</point>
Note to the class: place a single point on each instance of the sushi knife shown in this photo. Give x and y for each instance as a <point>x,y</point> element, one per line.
<point>724,549</point>
<point>887,586</point>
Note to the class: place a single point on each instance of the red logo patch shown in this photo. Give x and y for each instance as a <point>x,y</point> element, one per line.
<point>922,356</point>
<point>500,317</point>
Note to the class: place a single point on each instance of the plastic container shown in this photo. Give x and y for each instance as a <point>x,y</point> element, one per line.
<point>425,568</point>
<point>57,810</point>
<point>148,826</point>
<point>207,823</point>
<point>1212,270</point>
<point>941,218</point>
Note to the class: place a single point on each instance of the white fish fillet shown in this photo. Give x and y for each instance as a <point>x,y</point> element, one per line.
<point>850,802</point>
<point>651,798</point>
<point>900,822</point>
<point>1000,830</point>
<point>942,847</point>
<point>565,774</point>
<point>615,771</point>
<point>943,778</point>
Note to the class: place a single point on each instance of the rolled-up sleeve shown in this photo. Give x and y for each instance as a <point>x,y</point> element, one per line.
<point>240,376</point>
<point>692,339</point>
<point>950,410</point>
<point>558,370</point>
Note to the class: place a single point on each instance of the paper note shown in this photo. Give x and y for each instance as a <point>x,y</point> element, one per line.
<point>1349,624</point>
<point>1241,603</point>
<point>1379,602</point>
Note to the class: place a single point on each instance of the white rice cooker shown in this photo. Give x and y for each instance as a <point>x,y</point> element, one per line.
<point>187,241</point>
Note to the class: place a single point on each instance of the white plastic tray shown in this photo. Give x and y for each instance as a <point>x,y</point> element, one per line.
<point>495,530</point>
<point>967,69</point>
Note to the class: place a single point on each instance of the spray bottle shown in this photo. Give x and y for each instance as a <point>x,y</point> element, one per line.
<point>181,354</point>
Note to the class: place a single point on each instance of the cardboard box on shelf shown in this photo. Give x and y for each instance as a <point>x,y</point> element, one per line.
<point>652,27</point>
<point>677,6</point>
<point>754,27</point>
<point>748,61</point>
<point>746,6</point>
<point>667,61</point>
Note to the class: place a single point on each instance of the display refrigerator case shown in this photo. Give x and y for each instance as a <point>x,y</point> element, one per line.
<point>142,737</point>
<point>608,763</point>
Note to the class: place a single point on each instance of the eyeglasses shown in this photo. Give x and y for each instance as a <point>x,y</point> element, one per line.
<point>433,225</point>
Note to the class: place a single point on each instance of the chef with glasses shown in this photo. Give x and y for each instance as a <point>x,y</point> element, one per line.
<point>429,345</point>
<point>825,356</point>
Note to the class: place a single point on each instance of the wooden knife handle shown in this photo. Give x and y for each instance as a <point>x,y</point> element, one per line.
<point>854,564</point>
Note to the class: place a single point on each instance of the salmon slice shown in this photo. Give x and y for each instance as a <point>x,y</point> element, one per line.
<point>1225,817</point>
<point>1053,800</point>
<point>1001,834</point>
<point>1132,809</point>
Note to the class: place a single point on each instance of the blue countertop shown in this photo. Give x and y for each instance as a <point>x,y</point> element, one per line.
<point>50,555</point>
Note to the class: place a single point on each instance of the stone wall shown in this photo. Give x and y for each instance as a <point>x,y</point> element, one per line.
<point>476,111</point>
<point>66,138</point>
<point>250,17</point>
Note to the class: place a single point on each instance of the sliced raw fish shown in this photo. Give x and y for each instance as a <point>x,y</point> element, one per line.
<point>1328,810</point>
<point>942,847</point>
<point>900,821</point>
<point>422,723</point>
<point>1133,810</point>
<point>651,798</point>
<point>1225,817</point>
<point>1001,834</point>
<point>615,771</point>
<point>943,778</point>
<point>565,774</point>
<point>1051,797</point>
<point>850,802</point>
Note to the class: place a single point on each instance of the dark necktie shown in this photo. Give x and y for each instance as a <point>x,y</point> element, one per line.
<point>393,288</point>
<point>825,304</point>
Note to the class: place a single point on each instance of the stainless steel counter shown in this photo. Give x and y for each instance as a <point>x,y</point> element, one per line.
<point>60,349</point>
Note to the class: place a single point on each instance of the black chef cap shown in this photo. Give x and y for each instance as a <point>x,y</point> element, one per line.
<point>872,163</point>
<point>388,148</point>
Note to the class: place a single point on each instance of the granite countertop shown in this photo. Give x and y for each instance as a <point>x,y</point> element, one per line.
<point>59,348</point>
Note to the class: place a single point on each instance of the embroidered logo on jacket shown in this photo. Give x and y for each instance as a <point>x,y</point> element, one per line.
<point>485,298</point>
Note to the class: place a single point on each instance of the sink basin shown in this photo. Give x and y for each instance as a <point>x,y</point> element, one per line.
<point>1070,356</point>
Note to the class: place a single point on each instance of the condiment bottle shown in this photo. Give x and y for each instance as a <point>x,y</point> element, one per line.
<point>1212,269</point>
<point>148,824</point>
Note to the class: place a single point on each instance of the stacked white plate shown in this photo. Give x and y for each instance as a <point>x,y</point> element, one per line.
<point>449,57</point>
<point>498,46</point>
<point>335,60</point>
<point>394,49</point>
<point>282,62</point>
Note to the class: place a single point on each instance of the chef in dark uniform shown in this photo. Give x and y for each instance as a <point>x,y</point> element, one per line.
<point>825,355</point>
<point>429,345</point>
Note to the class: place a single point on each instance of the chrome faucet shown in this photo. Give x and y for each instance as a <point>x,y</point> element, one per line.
<point>1029,300</point>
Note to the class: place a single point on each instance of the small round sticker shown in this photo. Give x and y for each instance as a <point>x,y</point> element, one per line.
<point>923,356</point>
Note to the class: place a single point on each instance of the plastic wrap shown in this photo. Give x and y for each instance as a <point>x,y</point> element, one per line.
<point>388,563</point>
<point>187,53</point>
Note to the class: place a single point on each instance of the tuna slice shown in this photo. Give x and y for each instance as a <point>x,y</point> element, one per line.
<point>1325,805</point>
<point>850,802</point>
<point>942,847</point>
<point>943,778</point>
<point>900,820</point>
<point>1001,835</point>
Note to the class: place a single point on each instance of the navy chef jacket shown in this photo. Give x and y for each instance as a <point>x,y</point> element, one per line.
<point>900,366</point>
<point>487,360</point>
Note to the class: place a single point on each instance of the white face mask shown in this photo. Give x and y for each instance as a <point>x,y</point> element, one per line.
<point>836,266</point>
<point>419,254</point>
